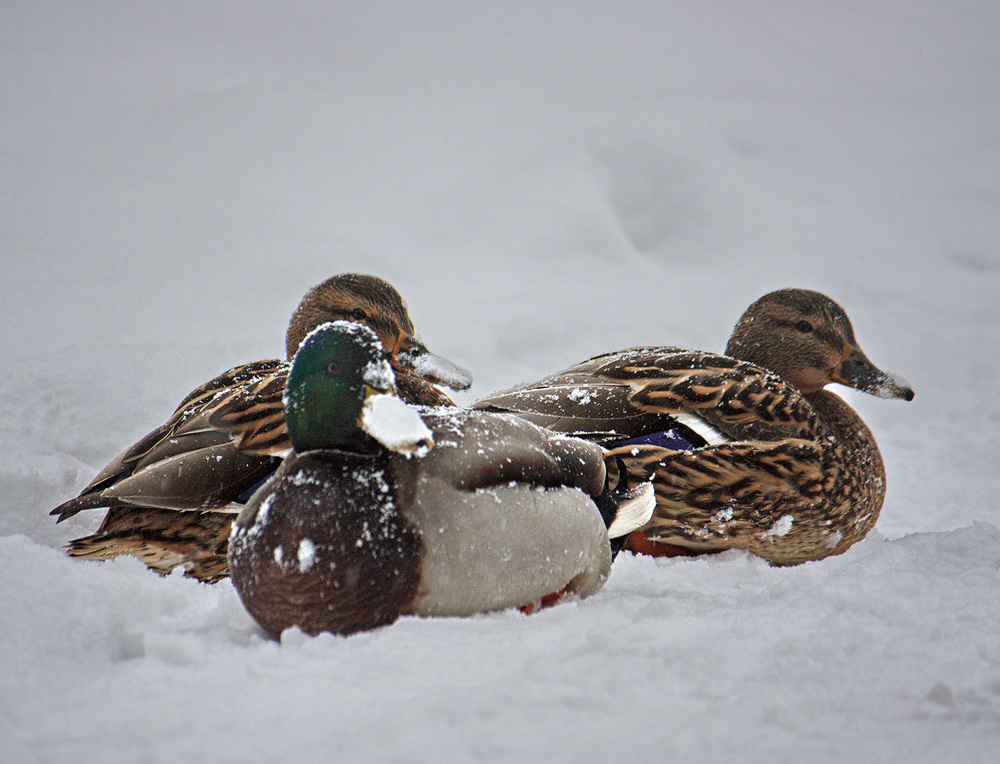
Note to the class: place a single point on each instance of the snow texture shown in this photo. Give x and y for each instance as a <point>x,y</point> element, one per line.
<point>307,555</point>
<point>543,182</point>
<point>890,386</point>
<point>442,371</point>
<point>379,374</point>
<point>396,425</point>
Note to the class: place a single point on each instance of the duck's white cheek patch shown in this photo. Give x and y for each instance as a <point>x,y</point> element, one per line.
<point>396,425</point>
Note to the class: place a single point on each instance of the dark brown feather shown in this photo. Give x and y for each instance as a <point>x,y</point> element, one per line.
<point>362,564</point>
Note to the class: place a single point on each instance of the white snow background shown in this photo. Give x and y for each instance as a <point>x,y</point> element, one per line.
<point>542,181</point>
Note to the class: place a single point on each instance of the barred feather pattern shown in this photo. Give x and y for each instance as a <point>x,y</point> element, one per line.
<point>243,406</point>
<point>803,478</point>
<point>249,406</point>
<point>787,500</point>
<point>253,414</point>
<point>221,405</point>
<point>724,390</point>
<point>170,495</point>
<point>162,539</point>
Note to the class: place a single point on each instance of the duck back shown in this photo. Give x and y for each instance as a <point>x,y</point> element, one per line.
<point>506,512</point>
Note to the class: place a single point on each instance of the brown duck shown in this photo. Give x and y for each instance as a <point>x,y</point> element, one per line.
<point>746,450</point>
<point>173,495</point>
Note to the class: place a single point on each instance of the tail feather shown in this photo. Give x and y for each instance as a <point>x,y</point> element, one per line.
<point>624,507</point>
<point>163,540</point>
<point>86,501</point>
<point>635,508</point>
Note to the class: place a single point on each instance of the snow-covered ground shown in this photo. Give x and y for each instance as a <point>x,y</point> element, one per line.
<point>542,181</point>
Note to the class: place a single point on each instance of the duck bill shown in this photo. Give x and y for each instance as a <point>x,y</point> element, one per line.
<point>394,424</point>
<point>411,353</point>
<point>855,370</point>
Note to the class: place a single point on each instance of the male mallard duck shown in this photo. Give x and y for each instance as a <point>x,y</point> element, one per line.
<point>381,512</point>
<point>173,495</point>
<point>745,450</point>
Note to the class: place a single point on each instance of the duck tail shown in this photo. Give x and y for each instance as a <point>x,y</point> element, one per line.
<point>635,508</point>
<point>85,501</point>
<point>162,539</point>
<point>626,508</point>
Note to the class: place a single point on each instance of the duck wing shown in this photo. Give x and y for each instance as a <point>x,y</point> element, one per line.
<point>577,401</point>
<point>476,450</point>
<point>507,512</point>
<point>223,438</point>
<point>636,392</point>
<point>162,539</point>
<point>752,495</point>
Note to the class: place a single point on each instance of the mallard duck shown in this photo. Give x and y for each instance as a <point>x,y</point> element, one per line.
<point>381,511</point>
<point>173,495</point>
<point>746,450</point>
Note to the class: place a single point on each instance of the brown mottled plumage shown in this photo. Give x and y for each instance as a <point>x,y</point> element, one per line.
<point>781,466</point>
<point>173,495</point>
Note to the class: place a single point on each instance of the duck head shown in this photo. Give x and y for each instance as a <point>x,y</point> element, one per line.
<point>340,394</point>
<point>376,304</point>
<point>807,339</point>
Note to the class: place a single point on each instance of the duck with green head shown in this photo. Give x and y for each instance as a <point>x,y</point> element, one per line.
<point>746,450</point>
<point>173,495</point>
<point>380,511</point>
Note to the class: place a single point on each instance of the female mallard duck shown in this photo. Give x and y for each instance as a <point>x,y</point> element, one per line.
<point>381,512</point>
<point>746,450</point>
<point>173,495</point>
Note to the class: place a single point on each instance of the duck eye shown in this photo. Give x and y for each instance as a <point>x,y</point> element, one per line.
<point>359,315</point>
<point>804,326</point>
<point>333,368</point>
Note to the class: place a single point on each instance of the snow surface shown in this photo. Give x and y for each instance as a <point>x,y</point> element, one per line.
<point>542,181</point>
